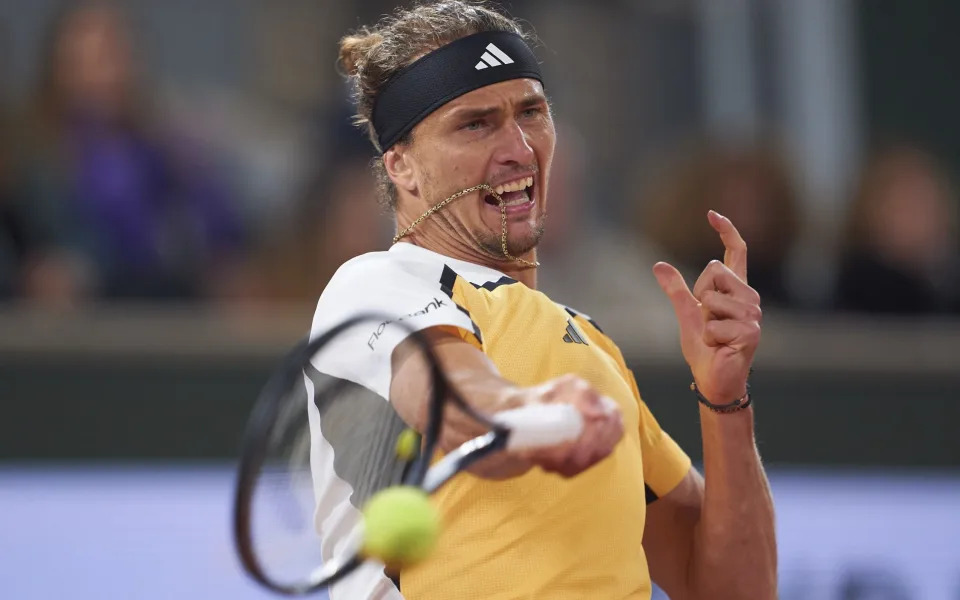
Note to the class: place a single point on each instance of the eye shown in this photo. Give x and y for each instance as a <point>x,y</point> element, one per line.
<point>532,112</point>
<point>475,125</point>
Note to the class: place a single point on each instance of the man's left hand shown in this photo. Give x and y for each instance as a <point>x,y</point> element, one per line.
<point>719,320</point>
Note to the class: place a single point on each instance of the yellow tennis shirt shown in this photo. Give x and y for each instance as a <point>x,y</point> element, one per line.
<point>537,536</point>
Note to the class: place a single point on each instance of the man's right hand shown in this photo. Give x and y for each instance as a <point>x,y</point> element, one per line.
<point>473,374</point>
<point>602,425</point>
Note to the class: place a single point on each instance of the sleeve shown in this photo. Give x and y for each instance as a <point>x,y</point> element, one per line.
<point>664,463</point>
<point>395,299</point>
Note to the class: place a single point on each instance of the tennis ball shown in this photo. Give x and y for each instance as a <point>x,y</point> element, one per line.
<point>400,526</point>
<point>408,442</point>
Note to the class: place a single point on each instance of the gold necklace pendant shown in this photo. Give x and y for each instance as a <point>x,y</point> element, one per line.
<point>460,194</point>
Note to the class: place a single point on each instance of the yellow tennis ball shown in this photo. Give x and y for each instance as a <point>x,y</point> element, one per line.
<point>408,442</point>
<point>400,526</point>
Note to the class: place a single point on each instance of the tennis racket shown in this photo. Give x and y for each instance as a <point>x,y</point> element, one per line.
<point>298,529</point>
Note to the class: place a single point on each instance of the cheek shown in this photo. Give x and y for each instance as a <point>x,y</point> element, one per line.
<point>544,144</point>
<point>447,173</point>
<point>463,167</point>
<point>544,149</point>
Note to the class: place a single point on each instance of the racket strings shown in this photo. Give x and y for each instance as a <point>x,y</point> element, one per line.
<point>292,519</point>
<point>381,460</point>
<point>362,428</point>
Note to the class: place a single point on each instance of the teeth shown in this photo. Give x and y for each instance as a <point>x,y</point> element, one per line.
<point>524,197</point>
<point>514,186</point>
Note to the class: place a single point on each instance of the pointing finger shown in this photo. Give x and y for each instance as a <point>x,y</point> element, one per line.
<point>735,249</point>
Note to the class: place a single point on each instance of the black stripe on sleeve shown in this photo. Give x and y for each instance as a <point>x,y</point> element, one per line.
<point>492,285</point>
<point>448,278</point>
<point>651,495</point>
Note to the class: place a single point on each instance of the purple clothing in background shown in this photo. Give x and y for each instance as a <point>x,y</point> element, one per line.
<point>149,217</point>
<point>121,190</point>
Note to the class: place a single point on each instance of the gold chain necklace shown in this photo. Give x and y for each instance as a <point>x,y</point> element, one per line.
<point>460,194</point>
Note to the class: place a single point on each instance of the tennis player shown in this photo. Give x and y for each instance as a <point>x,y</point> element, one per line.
<point>453,98</point>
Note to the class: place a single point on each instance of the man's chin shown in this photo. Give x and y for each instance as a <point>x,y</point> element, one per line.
<point>517,245</point>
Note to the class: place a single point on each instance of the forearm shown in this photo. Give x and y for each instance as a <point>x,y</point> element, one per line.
<point>476,381</point>
<point>487,393</point>
<point>734,554</point>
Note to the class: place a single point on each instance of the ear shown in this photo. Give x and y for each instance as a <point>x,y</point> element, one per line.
<point>400,165</point>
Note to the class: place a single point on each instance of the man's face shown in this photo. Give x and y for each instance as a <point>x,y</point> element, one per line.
<point>502,135</point>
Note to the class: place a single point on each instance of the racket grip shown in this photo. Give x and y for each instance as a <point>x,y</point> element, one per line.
<point>540,425</point>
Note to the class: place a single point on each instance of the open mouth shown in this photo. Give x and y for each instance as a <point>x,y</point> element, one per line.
<point>514,193</point>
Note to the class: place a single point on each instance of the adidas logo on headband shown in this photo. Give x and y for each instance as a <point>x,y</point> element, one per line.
<point>438,77</point>
<point>490,57</point>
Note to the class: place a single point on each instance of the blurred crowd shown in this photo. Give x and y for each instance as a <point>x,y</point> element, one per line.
<point>105,196</point>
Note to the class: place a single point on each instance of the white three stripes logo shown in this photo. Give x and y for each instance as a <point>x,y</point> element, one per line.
<point>490,57</point>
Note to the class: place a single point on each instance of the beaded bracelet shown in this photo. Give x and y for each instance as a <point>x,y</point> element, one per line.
<point>738,404</point>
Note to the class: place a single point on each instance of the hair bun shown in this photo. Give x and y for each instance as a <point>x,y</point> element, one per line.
<point>355,50</point>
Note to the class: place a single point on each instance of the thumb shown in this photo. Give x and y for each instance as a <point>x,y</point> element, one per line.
<point>685,305</point>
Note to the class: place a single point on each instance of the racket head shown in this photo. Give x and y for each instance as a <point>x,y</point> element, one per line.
<point>276,529</point>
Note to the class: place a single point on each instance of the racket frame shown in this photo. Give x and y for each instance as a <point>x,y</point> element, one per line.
<point>420,473</point>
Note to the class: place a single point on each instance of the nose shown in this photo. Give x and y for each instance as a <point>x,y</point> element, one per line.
<point>514,147</point>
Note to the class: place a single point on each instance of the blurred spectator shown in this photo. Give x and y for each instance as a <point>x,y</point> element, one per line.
<point>114,204</point>
<point>337,218</point>
<point>11,238</point>
<point>901,245</point>
<point>752,187</point>
<point>584,264</point>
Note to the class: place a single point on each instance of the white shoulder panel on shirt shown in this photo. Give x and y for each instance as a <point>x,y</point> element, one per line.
<point>403,288</point>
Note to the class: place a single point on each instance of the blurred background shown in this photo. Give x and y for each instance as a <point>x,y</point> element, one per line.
<point>178,181</point>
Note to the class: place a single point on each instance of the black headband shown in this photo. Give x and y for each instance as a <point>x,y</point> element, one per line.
<point>450,71</point>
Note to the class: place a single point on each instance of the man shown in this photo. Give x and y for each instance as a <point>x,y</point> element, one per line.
<point>452,97</point>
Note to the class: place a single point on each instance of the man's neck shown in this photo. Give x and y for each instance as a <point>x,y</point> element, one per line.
<point>525,274</point>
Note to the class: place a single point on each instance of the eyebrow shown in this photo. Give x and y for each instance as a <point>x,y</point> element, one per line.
<point>533,100</point>
<point>479,113</point>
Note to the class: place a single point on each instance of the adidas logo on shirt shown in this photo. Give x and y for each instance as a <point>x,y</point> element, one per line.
<point>493,57</point>
<point>573,336</point>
